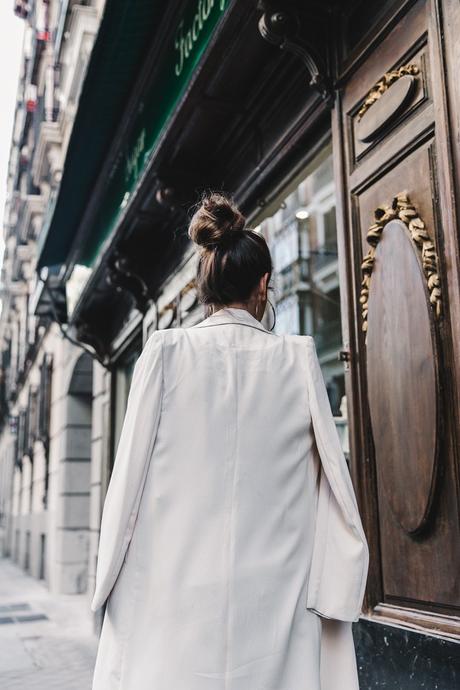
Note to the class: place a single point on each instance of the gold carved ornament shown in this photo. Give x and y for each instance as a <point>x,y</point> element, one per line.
<point>401,209</point>
<point>383,85</point>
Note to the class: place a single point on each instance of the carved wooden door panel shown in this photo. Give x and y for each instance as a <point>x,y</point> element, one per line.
<point>390,127</point>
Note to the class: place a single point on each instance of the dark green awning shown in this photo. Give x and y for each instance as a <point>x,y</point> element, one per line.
<point>126,34</point>
<point>122,40</point>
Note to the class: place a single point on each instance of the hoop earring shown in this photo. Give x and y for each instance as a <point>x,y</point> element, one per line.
<point>274,315</point>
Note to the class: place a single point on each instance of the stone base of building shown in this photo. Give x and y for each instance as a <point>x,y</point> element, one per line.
<point>395,658</point>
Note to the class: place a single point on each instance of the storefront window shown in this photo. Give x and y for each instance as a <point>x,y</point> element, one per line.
<point>300,228</point>
<point>123,376</point>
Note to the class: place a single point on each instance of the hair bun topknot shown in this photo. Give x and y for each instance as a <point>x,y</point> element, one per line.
<point>216,222</point>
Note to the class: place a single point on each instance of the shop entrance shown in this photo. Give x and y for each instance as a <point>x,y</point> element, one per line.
<point>397,237</point>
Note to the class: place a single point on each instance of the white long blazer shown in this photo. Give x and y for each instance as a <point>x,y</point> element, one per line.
<point>230,532</point>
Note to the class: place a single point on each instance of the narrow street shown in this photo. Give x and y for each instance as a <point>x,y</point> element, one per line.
<point>46,641</point>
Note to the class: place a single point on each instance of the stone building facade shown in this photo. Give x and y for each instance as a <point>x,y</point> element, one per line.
<point>46,380</point>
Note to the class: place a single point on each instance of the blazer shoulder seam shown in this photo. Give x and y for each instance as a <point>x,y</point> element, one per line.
<point>301,338</point>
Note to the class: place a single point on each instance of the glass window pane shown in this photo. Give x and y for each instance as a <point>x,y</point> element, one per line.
<point>301,231</point>
<point>122,382</point>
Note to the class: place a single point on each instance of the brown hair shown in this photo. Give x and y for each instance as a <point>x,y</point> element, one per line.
<point>233,258</point>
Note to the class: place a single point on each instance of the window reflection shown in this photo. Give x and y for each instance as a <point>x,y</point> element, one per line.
<point>122,381</point>
<point>302,236</point>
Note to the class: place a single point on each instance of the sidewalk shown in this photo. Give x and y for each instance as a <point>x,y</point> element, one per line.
<point>46,641</point>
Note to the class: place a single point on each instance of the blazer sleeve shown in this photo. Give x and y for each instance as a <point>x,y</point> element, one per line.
<point>340,556</point>
<point>130,466</point>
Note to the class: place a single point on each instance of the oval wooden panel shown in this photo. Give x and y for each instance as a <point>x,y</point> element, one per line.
<point>387,108</point>
<point>402,378</point>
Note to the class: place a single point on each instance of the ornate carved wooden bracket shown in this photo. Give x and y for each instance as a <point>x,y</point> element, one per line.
<point>280,28</point>
<point>402,209</point>
<point>86,333</point>
<point>122,277</point>
<point>384,84</point>
<point>166,197</point>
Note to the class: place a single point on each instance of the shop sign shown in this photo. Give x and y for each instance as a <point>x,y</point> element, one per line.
<point>186,47</point>
<point>187,39</point>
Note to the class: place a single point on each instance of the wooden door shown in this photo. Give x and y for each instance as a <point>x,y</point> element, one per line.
<point>399,241</point>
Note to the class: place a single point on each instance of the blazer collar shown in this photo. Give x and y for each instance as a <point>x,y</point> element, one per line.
<point>233,315</point>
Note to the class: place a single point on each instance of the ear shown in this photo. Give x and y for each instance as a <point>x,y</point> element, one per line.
<point>263,283</point>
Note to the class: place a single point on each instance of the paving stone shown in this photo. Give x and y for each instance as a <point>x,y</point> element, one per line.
<point>53,646</point>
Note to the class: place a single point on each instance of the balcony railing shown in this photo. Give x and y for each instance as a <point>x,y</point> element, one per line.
<point>322,257</point>
<point>293,277</point>
<point>329,335</point>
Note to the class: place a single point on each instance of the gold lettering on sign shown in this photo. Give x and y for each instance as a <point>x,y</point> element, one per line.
<point>186,39</point>
<point>132,160</point>
<point>402,209</point>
